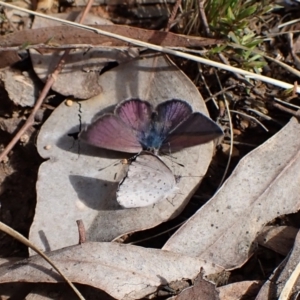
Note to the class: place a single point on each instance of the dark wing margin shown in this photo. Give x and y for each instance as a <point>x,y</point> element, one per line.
<point>195,130</point>
<point>109,132</point>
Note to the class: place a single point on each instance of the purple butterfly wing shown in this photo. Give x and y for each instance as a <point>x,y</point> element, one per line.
<point>195,130</point>
<point>171,113</point>
<point>109,132</point>
<point>135,113</point>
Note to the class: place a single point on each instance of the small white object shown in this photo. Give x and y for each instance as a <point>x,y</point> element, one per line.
<point>148,181</point>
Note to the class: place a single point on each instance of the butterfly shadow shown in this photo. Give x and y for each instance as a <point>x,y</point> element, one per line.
<point>95,193</point>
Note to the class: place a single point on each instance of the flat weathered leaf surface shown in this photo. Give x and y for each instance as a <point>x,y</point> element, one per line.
<point>70,185</point>
<point>264,185</point>
<point>123,271</point>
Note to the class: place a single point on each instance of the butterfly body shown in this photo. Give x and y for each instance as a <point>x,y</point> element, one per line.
<point>153,139</point>
<point>136,126</point>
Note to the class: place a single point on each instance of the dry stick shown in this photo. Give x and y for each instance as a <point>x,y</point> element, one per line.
<point>220,92</point>
<point>286,103</point>
<point>206,85</point>
<point>203,18</point>
<point>287,110</point>
<point>250,117</point>
<point>51,79</point>
<point>231,134</point>
<point>81,231</point>
<point>173,14</point>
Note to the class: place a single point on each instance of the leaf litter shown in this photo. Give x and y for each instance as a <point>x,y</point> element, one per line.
<point>238,243</point>
<point>123,271</point>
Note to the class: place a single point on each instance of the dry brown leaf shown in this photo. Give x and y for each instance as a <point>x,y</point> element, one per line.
<point>240,290</point>
<point>63,35</point>
<point>278,238</point>
<point>202,289</point>
<point>70,184</point>
<point>264,186</point>
<point>123,271</point>
<point>22,87</point>
<point>7,58</point>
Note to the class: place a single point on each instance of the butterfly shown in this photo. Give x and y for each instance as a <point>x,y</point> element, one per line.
<point>148,181</point>
<point>136,125</point>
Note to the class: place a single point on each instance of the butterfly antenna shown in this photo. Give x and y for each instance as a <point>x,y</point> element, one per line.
<point>115,163</point>
<point>172,158</point>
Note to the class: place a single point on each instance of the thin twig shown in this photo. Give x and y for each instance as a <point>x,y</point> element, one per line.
<point>238,76</point>
<point>81,231</point>
<point>220,92</point>
<point>51,79</point>
<point>228,142</point>
<point>231,134</point>
<point>173,15</point>
<point>230,147</point>
<point>159,234</point>
<point>286,103</point>
<point>207,87</point>
<point>287,110</point>
<point>268,118</point>
<point>203,18</point>
<point>250,117</point>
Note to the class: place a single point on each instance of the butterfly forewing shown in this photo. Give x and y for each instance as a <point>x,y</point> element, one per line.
<point>195,130</point>
<point>148,181</point>
<point>109,132</point>
<point>135,113</point>
<point>170,114</point>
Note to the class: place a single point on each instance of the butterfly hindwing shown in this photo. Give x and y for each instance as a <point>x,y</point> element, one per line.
<point>147,182</point>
